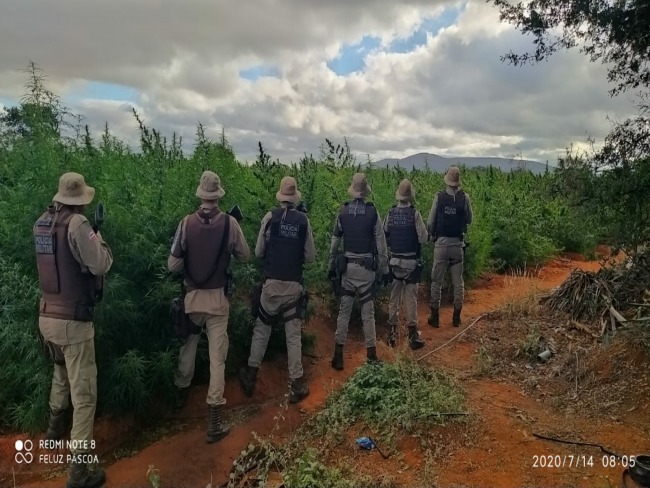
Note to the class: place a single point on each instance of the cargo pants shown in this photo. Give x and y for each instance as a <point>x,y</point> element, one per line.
<point>216,327</point>
<point>401,291</point>
<point>361,281</point>
<point>276,295</point>
<point>77,379</point>
<point>447,257</point>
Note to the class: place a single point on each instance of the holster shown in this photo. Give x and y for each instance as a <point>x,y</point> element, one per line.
<point>416,274</point>
<point>256,299</point>
<point>52,352</point>
<point>183,326</point>
<point>230,283</point>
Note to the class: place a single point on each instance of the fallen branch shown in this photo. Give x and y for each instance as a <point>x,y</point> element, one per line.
<point>617,315</point>
<point>576,443</point>
<point>456,336</point>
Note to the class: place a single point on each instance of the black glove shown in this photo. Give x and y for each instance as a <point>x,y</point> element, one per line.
<point>331,274</point>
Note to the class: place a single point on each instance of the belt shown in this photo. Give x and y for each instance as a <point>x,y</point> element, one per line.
<point>360,261</point>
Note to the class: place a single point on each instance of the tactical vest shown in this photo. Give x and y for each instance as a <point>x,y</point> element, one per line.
<point>66,292</point>
<point>285,249</point>
<point>358,219</point>
<point>402,234</point>
<point>450,215</point>
<point>207,235</point>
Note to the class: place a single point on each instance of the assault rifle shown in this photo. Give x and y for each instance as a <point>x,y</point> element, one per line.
<point>234,212</point>
<point>99,216</point>
<point>99,280</point>
<point>302,207</point>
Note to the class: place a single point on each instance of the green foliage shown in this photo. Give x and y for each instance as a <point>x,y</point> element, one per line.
<point>615,33</point>
<point>309,472</point>
<point>147,192</point>
<point>390,397</point>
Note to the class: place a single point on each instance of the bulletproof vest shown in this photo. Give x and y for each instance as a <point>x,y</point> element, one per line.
<point>450,215</point>
<point>67,293</point>
<point>206,254</point>
<point>402,234</point>
<point>358,220</point>
<point>285,249</point>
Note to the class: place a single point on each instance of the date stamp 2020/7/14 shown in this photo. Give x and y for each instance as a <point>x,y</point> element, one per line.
<point>581,461</point>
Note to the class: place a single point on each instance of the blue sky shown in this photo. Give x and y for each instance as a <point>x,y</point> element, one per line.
<point>103,91</point>
<point>352,57</point>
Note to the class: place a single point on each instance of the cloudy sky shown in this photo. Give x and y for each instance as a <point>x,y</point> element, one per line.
<point>395,77</point>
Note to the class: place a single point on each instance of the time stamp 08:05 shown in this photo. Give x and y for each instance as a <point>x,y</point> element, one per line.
<point>581,461</point>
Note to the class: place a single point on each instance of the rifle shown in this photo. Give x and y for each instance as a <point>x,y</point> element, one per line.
<point>302,207</point>
<point>234,212</point>
<point>99,216</point>
<point>99,280</point>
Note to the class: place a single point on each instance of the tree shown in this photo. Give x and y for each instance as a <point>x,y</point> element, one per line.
<point>615,32</point>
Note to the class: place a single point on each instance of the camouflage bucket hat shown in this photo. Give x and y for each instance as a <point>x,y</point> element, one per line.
<point>73,190</point>
<point>210,187</point>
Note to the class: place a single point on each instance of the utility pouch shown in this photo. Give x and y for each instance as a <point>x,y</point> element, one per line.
<point>369,263</point>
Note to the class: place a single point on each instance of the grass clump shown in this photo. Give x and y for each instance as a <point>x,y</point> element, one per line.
<point>390,397</point>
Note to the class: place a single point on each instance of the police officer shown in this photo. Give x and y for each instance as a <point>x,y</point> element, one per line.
<point>285,242</point>
<point>451,213</point>
<point>364,244</point>
<point>203,245</point>
<point>405,233</point>
<point>71,259</point>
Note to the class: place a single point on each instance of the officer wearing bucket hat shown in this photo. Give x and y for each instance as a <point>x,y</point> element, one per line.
<point>285,242</point>
<point>405,233</point>
<point>70,256</point>
<point>451,213</point>
<point>360,227</point>
<point>202,248</point>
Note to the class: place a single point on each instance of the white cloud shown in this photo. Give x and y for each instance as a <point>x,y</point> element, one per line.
<point>452,95</point>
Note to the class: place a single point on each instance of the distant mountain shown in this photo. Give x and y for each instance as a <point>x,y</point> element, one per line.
<point>439,164</point>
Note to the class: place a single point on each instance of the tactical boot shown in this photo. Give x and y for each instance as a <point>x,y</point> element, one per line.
<point>434,319</point>
<point>181,397</point>
<point>371,354</point>
<point>247,379</point>
<point>217,430</point>
<point>299,390</point>
<point>80,477</point>
<point>392,336</point>
<point>415,342</point>
<point>56,426</point>
<point>456,317</point>
<point>337,360</point>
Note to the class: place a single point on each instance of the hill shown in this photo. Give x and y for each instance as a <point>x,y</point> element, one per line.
<point>439,164</point>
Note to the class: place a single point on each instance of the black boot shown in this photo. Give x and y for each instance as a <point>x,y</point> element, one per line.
<point>434,319</point>
<point>371,354</point>
<point>247,379</point>
<point>392,336</point>
<point>181,397</point>
<point>337,360</point>
<point>217,430</point>
<point>456,318</point>
<point>299,390</point>
<point>56,425</point>
<point>414,338</point>
<point>79,476</point>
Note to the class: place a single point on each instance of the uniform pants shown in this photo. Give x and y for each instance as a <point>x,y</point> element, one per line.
<point>447,257</point>
<point>361,281</point>
<point>276,295</point>
<point>407,293</point>
<point>217,331</point>
<point>77,378</point>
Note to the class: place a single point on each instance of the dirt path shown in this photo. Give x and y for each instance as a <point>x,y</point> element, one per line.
<point>502,454</point>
